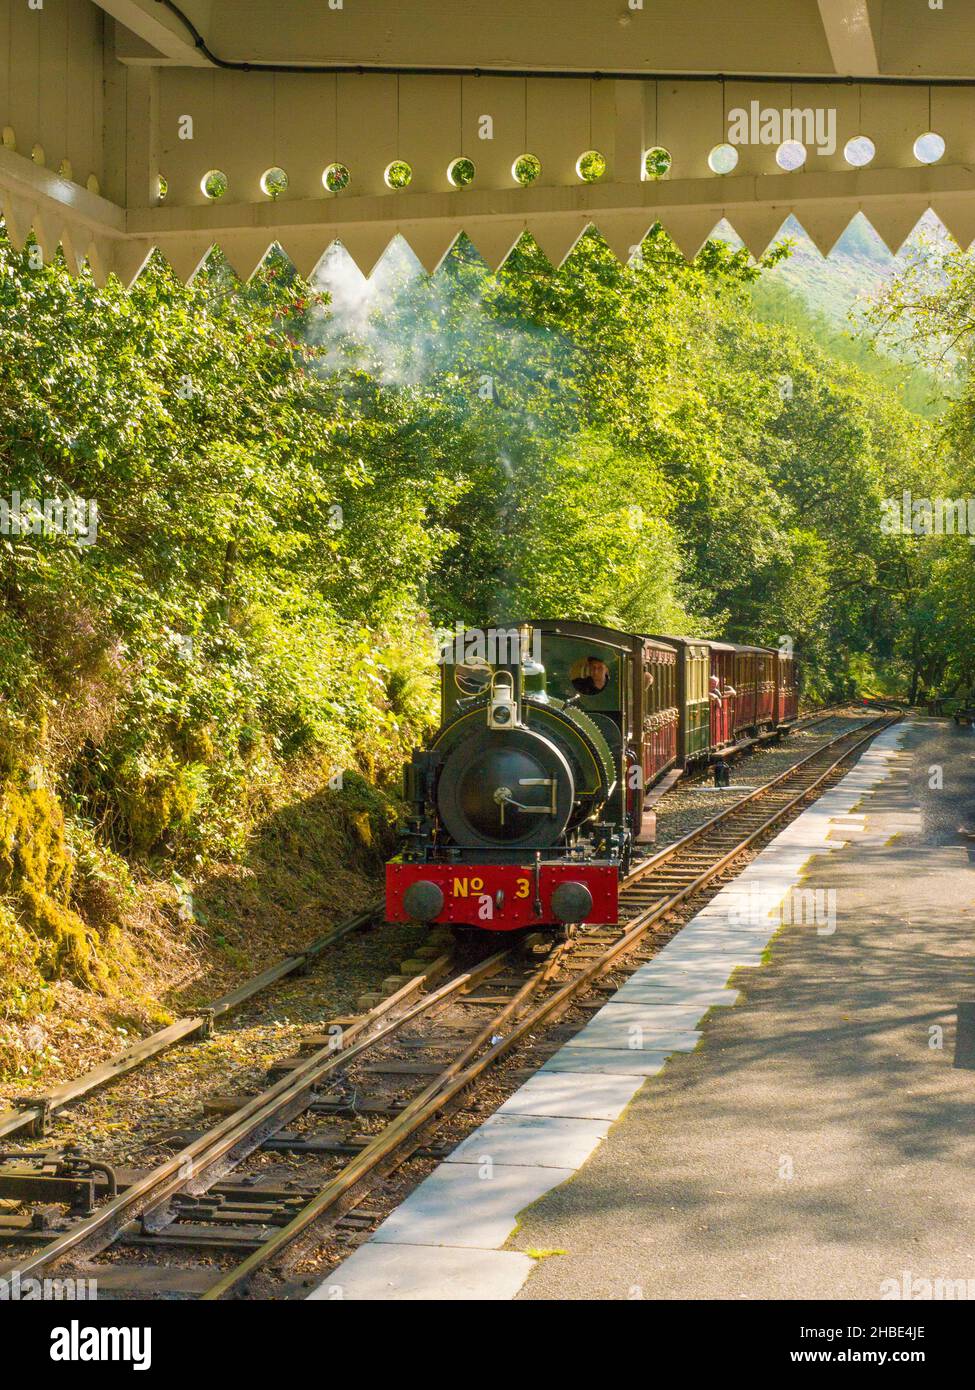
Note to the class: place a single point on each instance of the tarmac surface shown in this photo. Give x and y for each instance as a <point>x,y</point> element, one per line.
<point>818,1142</point>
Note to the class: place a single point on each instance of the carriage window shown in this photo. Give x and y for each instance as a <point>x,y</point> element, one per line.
<point>698,681</point>
<point>590,675</point>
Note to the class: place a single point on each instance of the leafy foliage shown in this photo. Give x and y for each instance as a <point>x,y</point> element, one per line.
<point>294,486</point>
<point>255,567</point>
<point>638,447</point>
<point>929,310</point>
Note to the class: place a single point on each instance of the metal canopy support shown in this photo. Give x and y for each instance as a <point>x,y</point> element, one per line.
<point>99,102</point>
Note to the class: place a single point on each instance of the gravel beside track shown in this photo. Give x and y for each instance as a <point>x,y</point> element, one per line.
<point>685,807</point>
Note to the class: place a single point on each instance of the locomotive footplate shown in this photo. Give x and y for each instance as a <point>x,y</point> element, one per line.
<point>503,897</point>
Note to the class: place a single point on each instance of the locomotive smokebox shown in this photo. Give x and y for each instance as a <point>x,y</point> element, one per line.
<point>506,788</point>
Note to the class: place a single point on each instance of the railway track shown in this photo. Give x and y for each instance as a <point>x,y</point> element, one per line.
<point>820,715</point>
<point>33,1115</point>
<point>375,1090</point>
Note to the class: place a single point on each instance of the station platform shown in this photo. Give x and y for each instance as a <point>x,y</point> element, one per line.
<point>778,1105</point>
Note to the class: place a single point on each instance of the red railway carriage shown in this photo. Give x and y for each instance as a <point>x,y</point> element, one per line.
<point>786,688</point>
<point>766,662</point>
<point>756,686</point>
<point>745,679</point>
<point>721,694</point>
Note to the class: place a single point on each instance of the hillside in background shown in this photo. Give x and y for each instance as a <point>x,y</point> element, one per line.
<point>824,298</point>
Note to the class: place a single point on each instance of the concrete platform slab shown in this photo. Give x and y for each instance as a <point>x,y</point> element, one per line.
<point>661,993</point>
<point>630,1026</point>
<point>467,1204</point>
<point>724,962</point>
<point>666,968</point>
<point>536,1140</point>
<point>751,913</point>
<point>818,1144</point>
<point>409,1273</point>
<point>613,1061</point>
<point>722,939</point>
<point>579,1097</point>
<point>725,955</point>
<point>686,973</point>
<point>642,1026</point>
<point>626,1009</point>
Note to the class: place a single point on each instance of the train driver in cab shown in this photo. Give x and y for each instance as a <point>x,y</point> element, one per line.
<point>590,676</point>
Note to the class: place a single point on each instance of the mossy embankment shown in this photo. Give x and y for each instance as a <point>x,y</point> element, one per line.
<point>96,949</point>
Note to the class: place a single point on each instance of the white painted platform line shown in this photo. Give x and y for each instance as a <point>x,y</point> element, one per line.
<point>444,1242</point>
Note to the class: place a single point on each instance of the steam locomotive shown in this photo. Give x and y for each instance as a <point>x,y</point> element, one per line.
<point>528,804</point>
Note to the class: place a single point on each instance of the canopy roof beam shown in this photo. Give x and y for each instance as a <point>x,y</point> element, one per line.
<point>152,34</point>
<point>850,36</point>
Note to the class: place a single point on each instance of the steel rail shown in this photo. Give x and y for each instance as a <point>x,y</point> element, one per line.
<point>33,1112</point>
<point>389,1139</point>
<point>253,1122</point>
<point>438,1095</point>
<point>193,1168</point>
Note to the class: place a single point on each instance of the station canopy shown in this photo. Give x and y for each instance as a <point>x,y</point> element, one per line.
<point>129,125</point>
